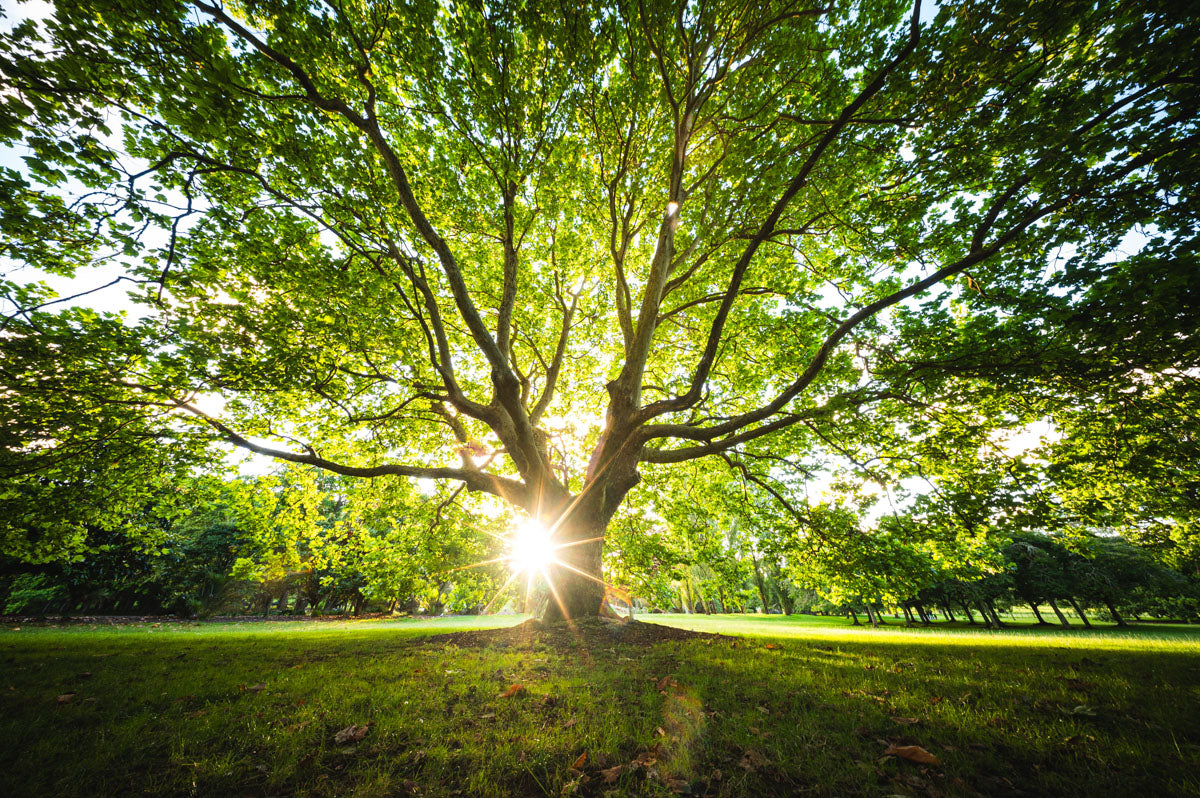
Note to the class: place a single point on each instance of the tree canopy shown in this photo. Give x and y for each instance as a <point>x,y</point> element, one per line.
<point>537,248</point>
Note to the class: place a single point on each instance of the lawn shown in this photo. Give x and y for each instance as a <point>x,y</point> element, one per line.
<point>793,705</point>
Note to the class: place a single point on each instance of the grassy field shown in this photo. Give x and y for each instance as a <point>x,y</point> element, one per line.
<point>805,706</point>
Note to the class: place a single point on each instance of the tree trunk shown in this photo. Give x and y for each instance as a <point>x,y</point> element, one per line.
<point>1079,612</point>
<point>1116,615</point>
<point>758,580</point>
<point>995,616</point>
<point>574,594</point>
<point>987,619</point>
<point>871,615</point>
<point>853,618</point>
<point>1037,614</point>
<point>908,618</point>
<point>949,614</point>
<point>1061,618</point>
<point>967,609</point>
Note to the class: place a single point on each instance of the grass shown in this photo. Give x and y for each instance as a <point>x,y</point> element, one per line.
<point>796,706</point>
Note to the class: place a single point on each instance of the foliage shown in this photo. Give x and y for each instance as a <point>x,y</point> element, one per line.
<point>539,250</point>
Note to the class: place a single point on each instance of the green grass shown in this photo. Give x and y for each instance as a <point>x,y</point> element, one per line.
<point>253,709</point>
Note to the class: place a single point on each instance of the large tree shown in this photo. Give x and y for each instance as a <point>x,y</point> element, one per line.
<point>534,247</point>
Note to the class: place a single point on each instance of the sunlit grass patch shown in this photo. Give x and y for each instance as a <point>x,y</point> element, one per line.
<point>808,706</point>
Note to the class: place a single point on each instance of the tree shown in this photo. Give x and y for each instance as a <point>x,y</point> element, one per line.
<point>402,239</point>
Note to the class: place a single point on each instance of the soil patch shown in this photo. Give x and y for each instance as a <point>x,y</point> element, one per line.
<point>585,632</point>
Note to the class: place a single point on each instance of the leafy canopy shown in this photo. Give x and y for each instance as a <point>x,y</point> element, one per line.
<point>538,248</point>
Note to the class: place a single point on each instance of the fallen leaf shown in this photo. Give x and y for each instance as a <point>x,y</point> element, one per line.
<point>663,682</point>
<point>937,699</point>
<point>84,675</point>
<point>487,716</point>
<point>570,723</point>
<point>257,688</point>
<point>913,753</point>
<point>752,760</point>
<point>198,713</point>
<point>611,775</point>
<point>906,721</point>
<point>678,785</point>
<point>65,698</point>
<point>646,758</point>
<point>514,690</point>
<point>580,761</point>
<point>351,734</point>
<point>772,646</point>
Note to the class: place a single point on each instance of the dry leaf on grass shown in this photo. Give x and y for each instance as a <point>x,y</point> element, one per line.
<point>772,646</point>
<point>752,760</point>
<point>65,698</point>
<point>905,721</point>
<point>514,690</point>
<point>580,761</point>
<point>913,753</point>
<point>610,775</point>
<point>646,758</point>
<point>351,734</point>
<point>570,723</point>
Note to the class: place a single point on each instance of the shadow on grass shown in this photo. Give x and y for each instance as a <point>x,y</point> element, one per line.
<point>219,711</point>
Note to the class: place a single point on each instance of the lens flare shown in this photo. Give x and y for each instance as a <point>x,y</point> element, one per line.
<point>532,548</point>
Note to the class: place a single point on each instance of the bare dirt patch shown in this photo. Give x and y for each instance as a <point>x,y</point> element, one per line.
<point>585,632</point>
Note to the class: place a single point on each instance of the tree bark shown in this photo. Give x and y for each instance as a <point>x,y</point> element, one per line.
<point>1116,615</point>
<point>991,607</point>
<point>1037,614</point>
<point>1079,612</point>
<point>758,581</point>
<point>987,619</point>
<point>576,589</point>
<point>967,609</point>
<point>853,618</point>
<point>1061,618</point>
<point>949,613</point>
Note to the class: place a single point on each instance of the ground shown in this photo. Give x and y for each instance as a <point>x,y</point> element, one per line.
<point>778,706</point>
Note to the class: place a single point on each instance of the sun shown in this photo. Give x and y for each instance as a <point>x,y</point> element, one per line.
<point>532,547</point>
